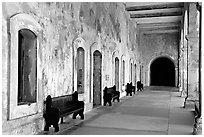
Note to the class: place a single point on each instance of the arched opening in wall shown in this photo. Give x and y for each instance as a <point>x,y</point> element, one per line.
<point>123,73</point>
<point>135,74</point>
<point>123,76</point>
<point>131,73</point>
<point>117,73</point>
<point>27,67</point>
<point>162,72</point>
<point>97,67</point>
<point>80,70</point>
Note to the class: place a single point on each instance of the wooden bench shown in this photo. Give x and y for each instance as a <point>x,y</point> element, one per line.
<point>139,86</point>
<point>129,89</point>
<point>61,106</point>
<point>110,94</point>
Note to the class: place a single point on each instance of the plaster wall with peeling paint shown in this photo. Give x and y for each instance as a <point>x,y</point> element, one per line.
<point>158,45</point>
<point>105,27</point>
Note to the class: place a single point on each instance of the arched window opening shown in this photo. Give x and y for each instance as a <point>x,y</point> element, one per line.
<point>97,74</point>
<point>27,67</point>
<point>117,73</point>
<point>123,82</point>
<point>80,70</point>
<point>135,74</point>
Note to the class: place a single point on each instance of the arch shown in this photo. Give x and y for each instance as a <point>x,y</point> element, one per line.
<point>131,70</point>
<point>123,57</point>
<point>152,58</point>
<point>122,70</point>
<point>19,22</point>
<point>162,72</point>
<point>160,56</point>
<point>97,78</point>
<point>95,47</point>
<point>27,66</point>
<point>80,69</point>
<point>78,42</point>
<point>135,75</point>
<point>115,55</point>
<point>30,23</point>
<point>117,73</point>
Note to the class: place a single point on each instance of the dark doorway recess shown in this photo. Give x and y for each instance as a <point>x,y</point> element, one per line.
<point>117,73</point>
<point>97,68</point>
<point>162,72</point>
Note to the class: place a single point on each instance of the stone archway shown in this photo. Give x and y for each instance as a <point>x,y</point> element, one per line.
<point>162,72</point>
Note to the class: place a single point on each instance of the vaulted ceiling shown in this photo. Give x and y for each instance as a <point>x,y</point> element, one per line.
<point>153,17</point>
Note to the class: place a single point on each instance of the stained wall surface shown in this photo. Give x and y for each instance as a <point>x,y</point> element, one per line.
<point>155,45</point>
<point>64,27</point>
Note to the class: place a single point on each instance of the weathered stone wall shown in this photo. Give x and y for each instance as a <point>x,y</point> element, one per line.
<point>66,26</point>
<point>193,59</point>
<point>153,45</point>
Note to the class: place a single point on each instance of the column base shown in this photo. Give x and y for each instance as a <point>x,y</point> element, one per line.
<point>189,104</point>
<point>197,127</point>
<point>182,93</point>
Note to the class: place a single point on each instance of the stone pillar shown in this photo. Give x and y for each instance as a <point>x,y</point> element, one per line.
<point>181,60</point>
<point>193,57</point>
<point>177,76</point>
<point>181,67</point>
<point>184,49</point>
<point>197,128</point>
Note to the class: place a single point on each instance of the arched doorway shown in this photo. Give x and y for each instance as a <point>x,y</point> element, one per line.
<point>162,72</point>
<point>97,65</point>
<point>135,74</point>
<point>117,73</point>
<point>123,75</point>
<point>80,70</point>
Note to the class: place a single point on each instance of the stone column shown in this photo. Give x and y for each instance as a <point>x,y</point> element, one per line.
<point>197,128</point>
<point>184,49</point>
<point>193,57</point>
<point>176,76</point>
<point>181,67</point>
<point>181,60</point>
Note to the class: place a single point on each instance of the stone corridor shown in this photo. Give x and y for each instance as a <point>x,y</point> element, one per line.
<point>154,111</point>
<point>60,48</point>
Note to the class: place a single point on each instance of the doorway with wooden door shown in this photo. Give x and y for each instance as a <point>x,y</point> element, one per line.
<point>97,68</point>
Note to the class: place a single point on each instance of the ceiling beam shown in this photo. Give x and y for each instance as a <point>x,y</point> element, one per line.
<point>161,29</point>
<point>160,32</point>
<point>156,11</point>
<point>152,7</point>
<point>156,25</point>
<point>155,15</point>
<point>158,19</point>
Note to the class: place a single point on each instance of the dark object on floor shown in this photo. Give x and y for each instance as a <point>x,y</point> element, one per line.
<point>110,94</point>
<point>58,107</point>
<point>51,115</point>
<point>139,86</point>
<point>129,89</point>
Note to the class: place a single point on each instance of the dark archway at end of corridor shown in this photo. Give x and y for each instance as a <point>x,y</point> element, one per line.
<point>162,72</point>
